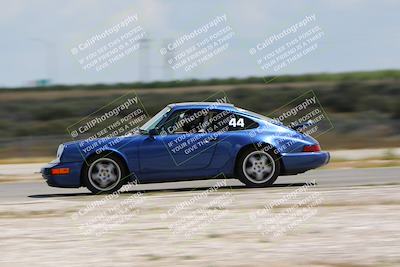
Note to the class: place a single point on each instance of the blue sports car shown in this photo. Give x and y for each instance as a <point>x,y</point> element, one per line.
<point>188,141</point>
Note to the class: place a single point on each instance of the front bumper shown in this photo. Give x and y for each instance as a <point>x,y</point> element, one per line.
<point>71,180</point>
<point>300,162</point>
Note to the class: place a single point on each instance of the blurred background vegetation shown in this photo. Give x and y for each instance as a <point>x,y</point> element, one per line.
<point>364,107</point>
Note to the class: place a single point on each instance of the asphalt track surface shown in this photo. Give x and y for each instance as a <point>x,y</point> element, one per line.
<point>30,191</point>
<point>355,223</point>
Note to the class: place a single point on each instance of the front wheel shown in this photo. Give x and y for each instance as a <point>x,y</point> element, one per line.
<point>258,168</point>
<point>104,174</point>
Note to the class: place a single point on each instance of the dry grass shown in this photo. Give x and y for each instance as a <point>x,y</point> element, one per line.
<point>26,160</point>
<point>50,95</point>
<point>368,163</point>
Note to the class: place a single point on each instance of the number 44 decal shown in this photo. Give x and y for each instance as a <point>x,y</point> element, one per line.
<point>236,122</point>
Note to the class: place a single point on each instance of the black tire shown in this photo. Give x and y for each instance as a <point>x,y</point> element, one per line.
<point>251,179</point>
<point>98,185</point>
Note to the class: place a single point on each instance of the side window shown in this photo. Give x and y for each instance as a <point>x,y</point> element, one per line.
<point>237,123</point>
<point>222,121</point>
<point>184,121</point>
<point>198,121</point>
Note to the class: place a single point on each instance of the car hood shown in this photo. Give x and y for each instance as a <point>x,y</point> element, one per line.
<point>103,141</point>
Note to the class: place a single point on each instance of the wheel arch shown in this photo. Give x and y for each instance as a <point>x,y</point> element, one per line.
<point>105,153</point>
<point>261,144</point>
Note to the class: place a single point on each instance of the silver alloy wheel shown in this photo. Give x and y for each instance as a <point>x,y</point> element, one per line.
<point>104,174</point>
<point>258,167</point>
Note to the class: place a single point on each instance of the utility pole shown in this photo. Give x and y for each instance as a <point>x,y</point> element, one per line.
<point>144,60</point>
<point>50,60</point>
<point>167,67</point>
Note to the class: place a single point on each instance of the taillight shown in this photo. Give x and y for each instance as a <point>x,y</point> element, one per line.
<point>312,148</point>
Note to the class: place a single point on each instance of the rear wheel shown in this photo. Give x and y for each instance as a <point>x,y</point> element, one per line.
<point>104,174</point>
<point>258,168</point>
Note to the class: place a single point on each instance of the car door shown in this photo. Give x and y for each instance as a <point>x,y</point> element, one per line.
<point>175,150</point>
<point>232,132</point>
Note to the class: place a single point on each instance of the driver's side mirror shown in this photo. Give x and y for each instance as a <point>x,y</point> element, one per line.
<point>153,132</point>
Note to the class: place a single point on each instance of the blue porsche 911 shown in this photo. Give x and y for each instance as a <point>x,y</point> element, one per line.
<point>188,141</point>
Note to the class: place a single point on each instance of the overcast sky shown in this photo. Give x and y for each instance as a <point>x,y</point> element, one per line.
<point>37,37</point>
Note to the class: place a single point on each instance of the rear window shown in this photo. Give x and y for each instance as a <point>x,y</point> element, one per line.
<point>229,121</point>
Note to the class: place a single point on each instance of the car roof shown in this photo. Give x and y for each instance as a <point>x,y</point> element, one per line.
<point>218,105</point>
<point>202,105</point>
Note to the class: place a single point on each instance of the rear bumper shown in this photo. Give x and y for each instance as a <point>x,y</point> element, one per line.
<point>71,180</point>
<point>300,162</point>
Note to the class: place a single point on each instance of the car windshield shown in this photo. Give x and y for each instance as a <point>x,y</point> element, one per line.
<point>150,124</point>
